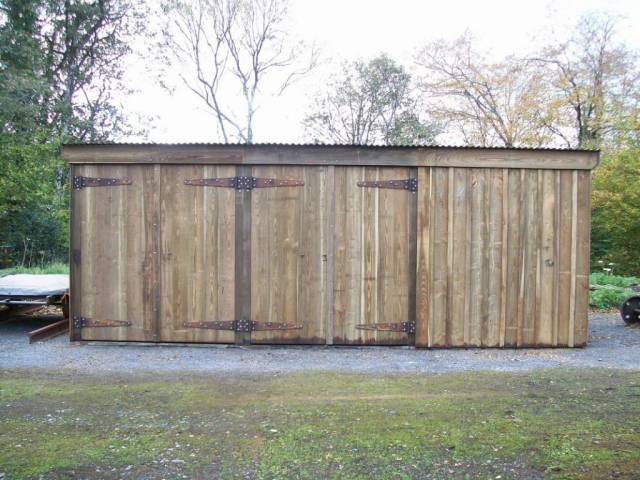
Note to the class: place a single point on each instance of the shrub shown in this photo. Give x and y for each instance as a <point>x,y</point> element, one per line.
<point>602,278</point>
<point>608,298</point>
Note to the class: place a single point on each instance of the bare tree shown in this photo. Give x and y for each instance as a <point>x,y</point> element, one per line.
<point>598,81</point>
<point>486,102</point>
<point>225,48</point>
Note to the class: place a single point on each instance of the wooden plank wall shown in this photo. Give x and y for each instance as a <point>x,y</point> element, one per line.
<point>489,257</point>
<point>503,257</point>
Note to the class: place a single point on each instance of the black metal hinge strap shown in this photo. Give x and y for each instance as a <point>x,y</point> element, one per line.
<point>407,327</point>
<point>410,184</point>
<point>242,325</point>
<point>274,326</point>
<point>227,325</point>
<point>84,322</point>
<point>83,182</point>
<point>243,183</point>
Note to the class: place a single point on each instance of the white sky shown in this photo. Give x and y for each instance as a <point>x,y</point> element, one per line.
<point>351,29</point>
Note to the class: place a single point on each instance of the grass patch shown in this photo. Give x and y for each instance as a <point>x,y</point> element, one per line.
<point>614,290</point>
<point>52,268</point>
<point>556,423</point>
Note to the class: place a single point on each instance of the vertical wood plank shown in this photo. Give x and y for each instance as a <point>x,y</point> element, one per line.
<point>439,210</point>
<point>574,257</point>
<point>515,224</point>
<point>370,254</point>
<point>467,267</point>
<point>565,248</point>
<point>423,254</point>
<point>556,271</point>
<point>340,239</point>
<point>156,245</point>
<point>329,257</point>
<point>103,273</point>
<point>494,257</point>
<point>548,259</point>
<point>88,245</point>
<point>582,261</point>
<point>505,251</point>
<point>450,253</point>
<point>478,265</point>
<point>528,288</point>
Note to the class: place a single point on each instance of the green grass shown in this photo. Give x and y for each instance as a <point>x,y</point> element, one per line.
<point>563,424</point>
<point>59,268</point>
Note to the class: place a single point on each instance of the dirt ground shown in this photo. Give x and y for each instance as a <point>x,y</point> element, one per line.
<point>612,344</point>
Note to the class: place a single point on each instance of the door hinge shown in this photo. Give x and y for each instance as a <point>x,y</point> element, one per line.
<point>243,183</point>
<point>83,182</point>
<point>84,322</point>
<point>406,327</point>
<point>410,184</point>
<point>242,325</point>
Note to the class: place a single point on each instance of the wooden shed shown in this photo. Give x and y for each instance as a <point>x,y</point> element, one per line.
<point>337,245</point>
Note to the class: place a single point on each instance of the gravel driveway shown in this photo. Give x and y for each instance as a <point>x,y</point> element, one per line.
<point>612,344</point>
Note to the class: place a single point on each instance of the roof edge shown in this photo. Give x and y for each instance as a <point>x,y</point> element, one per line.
<point>323,145</point>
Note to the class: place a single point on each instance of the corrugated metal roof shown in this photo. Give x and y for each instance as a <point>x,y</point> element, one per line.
<point>300,145</point>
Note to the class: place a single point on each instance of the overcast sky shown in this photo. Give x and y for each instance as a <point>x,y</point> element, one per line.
<point>361,29</point>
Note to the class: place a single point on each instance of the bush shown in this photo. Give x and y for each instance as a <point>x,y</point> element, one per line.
<point>601,278</point>
<point>613,293</point>
<point>608,298</point>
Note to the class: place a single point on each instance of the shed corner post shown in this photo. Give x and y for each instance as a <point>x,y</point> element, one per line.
<point>75,293</point>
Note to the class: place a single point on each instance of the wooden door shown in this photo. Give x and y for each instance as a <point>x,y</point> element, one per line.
<point>198,248</point>
<point>289,255</point>
<point>374,247</point>
<point>113,261</point>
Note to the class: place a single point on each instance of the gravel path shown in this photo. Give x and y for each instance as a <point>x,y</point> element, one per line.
<point>611,345</point>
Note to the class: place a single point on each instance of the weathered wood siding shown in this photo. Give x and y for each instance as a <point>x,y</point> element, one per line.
<point>503,257</point>
<point>491,251</point>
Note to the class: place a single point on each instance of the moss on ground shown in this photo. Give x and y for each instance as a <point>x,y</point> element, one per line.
<point>552,424</point>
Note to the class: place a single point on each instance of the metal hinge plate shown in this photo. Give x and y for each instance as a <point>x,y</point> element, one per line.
<point>410,184</point>
<point>84,322</point>
<point>405,327</point>
<point>242,325</point>
<point>83,182</point>
<point>243,183</point>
